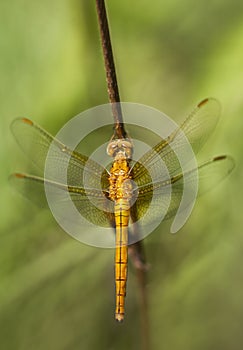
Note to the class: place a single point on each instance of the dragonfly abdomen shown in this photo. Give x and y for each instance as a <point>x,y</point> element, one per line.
<point>122,213</point>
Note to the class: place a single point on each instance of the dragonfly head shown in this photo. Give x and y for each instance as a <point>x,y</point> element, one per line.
<point>120,148</point>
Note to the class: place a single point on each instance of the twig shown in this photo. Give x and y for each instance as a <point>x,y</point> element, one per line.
<point>111,79</point>
<point>137,256</point>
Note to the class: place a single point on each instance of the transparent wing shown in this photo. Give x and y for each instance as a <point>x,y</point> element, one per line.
<point>210,174</point>
<point>196,128</point>
<point>32,187</point>
<point>35,142</point>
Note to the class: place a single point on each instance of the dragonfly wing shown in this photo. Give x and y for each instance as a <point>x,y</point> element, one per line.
<point>195,130</point>
<point>29,187</point>
<point>92,204</point>
<point>35,142</point>
<point>199,125</point>
<point>163,198</point>
<point>212,172</point>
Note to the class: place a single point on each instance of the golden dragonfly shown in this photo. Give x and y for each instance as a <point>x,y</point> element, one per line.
<point>126,185</point>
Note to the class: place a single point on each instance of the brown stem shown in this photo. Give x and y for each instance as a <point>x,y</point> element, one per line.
<point>137,256</point>
<point>111,79</point>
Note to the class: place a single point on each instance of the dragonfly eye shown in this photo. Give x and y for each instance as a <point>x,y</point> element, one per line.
<point>112,148</point>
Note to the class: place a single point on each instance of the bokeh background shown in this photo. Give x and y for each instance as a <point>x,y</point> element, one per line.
<point>56,293</point>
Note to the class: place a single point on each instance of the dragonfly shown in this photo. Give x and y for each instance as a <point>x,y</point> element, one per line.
<point>126,185</point>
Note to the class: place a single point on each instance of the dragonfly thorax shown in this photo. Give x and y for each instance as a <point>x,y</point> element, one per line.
<point>120,180</point>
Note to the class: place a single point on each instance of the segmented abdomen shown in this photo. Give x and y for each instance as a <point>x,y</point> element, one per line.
<point>122,213</point>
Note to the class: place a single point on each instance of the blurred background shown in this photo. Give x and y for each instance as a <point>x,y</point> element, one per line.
<point>56,293</point>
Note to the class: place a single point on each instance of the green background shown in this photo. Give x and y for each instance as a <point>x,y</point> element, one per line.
<point>56,293</point>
